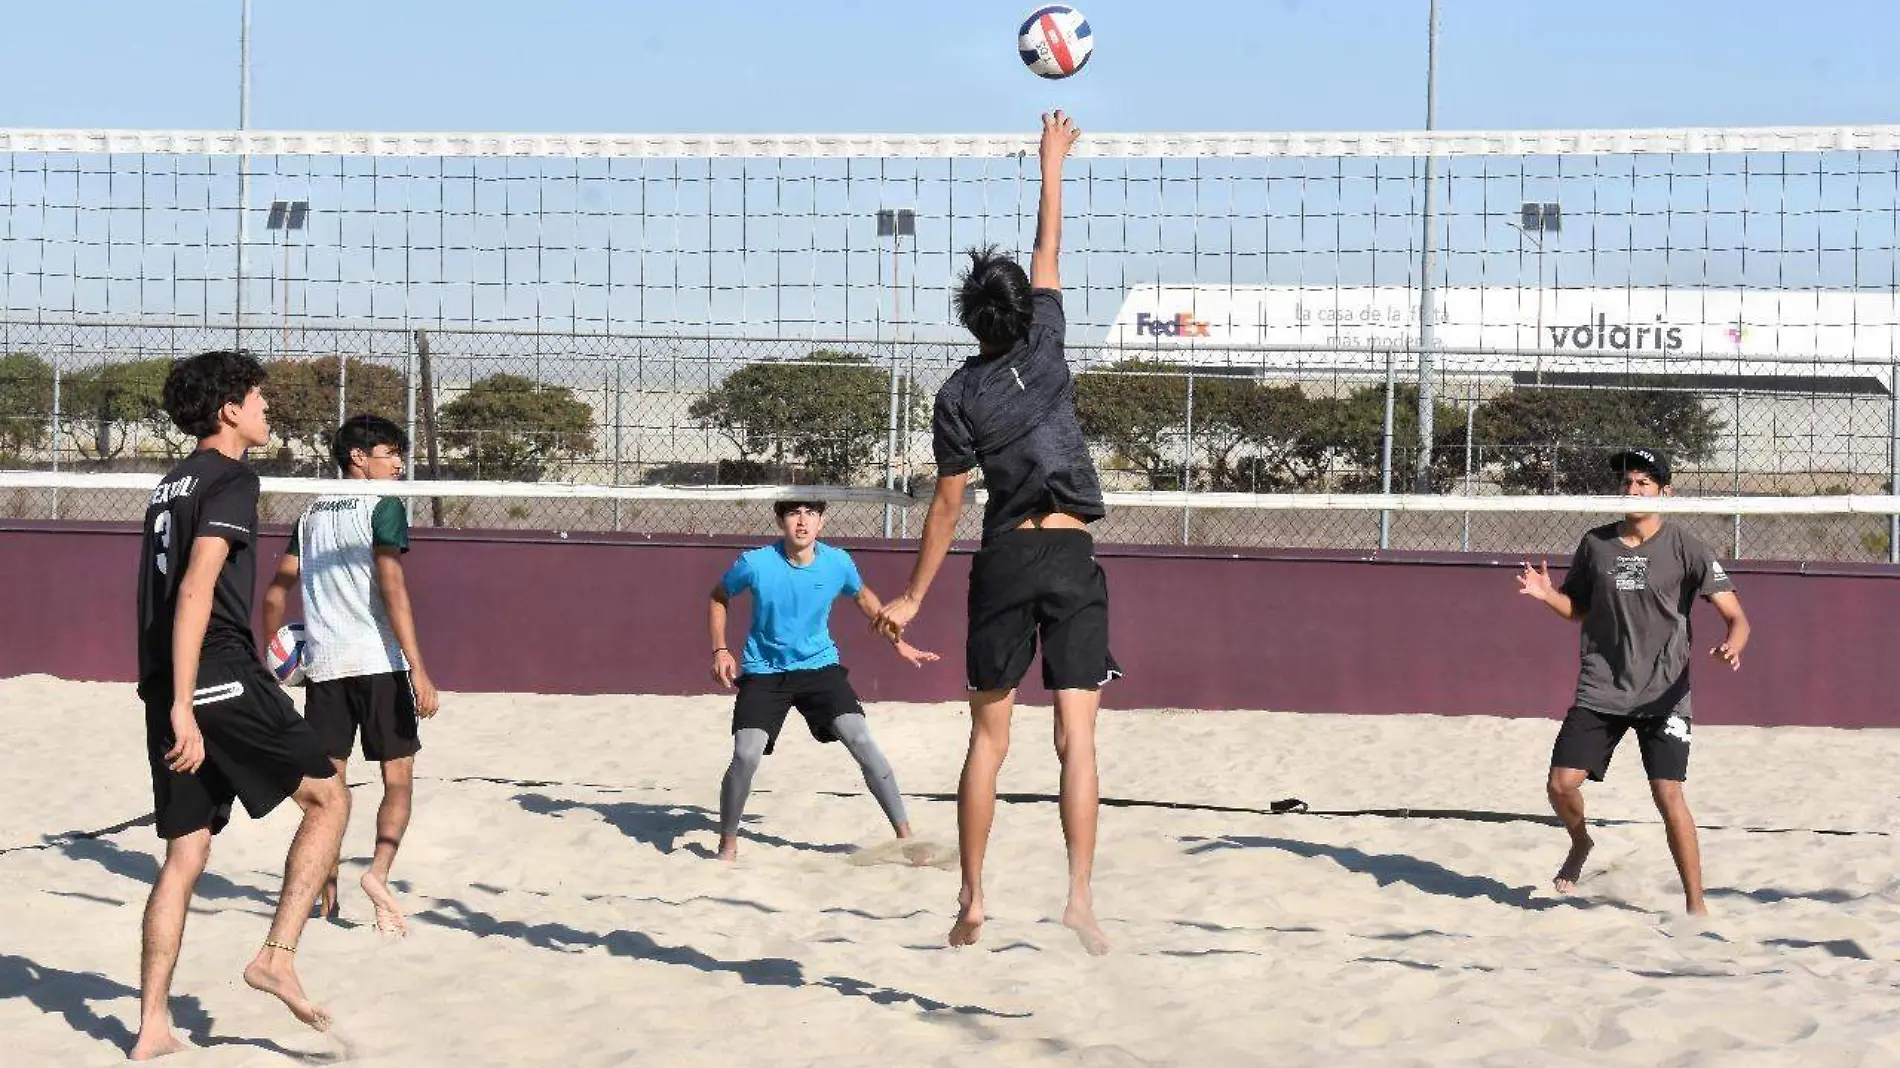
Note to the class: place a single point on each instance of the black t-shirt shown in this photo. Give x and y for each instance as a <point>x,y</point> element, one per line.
<point>208,495</point>
<point>1014,415</point>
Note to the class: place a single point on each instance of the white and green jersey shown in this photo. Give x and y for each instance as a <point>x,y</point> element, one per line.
<point>346,622</point>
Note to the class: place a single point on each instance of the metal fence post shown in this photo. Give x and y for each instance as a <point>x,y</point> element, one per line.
<point>619,420</point>
<point>1735,481</point>
<point>409,421</point>
<point>1471,419</point>
<point>342,387</point>
<point>1893,458</point>
<point>1385,455</point>
<point>890,443</point>
<point>57,400</point>
<point>1187,464</point>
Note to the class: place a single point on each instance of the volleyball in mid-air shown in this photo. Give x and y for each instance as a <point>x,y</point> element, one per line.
<point>1056,41</point>
<point>285,654</point>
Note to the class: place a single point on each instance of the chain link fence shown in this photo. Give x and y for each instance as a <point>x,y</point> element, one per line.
<point>679,411</point>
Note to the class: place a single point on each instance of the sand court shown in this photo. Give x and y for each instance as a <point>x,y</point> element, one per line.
<point>564,908</point>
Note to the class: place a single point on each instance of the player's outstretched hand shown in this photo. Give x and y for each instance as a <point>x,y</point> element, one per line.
<point>895,616</point>
<point>1058,136</point>
<point>1535,582</point>
<point>187,753</point>
<point>912,655</point>
<point>428,700</point>
<point>725,669</point>
<point>1731,657</point>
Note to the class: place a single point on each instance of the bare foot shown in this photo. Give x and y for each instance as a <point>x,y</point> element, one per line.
<point>1081,919</point>
<point>389,918</point>
<point>1698,908</point>
<point>280,981</point>
<point>969,925</point>
<point>728,848</point>
<point>1572,871</point>
<point>156,1046</point>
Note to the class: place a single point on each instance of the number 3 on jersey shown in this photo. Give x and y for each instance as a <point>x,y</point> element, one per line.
<point>162,530</point>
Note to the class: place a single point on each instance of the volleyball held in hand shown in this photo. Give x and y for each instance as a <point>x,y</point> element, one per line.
<point>1056,41</point>
<point>285,654</point>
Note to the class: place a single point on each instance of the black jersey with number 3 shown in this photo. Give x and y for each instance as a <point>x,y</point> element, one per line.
<point>208,495</point>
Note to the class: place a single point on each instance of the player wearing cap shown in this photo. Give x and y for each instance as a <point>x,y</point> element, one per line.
<point>1631,585</point>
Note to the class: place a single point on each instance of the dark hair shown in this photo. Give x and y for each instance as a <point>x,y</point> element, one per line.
<point>365,432</point>
<point>784,508</point>
<point>198,387</point>
<point>992,299</point>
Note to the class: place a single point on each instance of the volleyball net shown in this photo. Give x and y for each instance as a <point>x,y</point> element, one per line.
<point>674,313</point>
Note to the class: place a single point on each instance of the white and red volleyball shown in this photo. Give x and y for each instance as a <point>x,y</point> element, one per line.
<point>285,654</point>
<point>1055,41</point>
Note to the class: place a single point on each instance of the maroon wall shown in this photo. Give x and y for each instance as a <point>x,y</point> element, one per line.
<point>1291,630</point>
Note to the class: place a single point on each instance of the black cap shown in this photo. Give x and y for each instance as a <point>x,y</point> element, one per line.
<point>784,508</point>
<point>1651,460</point>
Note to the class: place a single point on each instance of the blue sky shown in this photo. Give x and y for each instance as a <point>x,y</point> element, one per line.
<point>665,245</point>
<point>945,65</point>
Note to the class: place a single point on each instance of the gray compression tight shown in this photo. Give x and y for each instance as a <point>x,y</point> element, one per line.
<point>748,749</point>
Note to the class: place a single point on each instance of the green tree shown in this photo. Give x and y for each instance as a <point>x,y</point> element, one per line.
<point>26,403</point>
<point>1360,432</point>
<point>101,403</point>
<point>509,427</point>
<point>1137,409</point>
<point>1262,438</point>
<point>303,393</point>
<point>828,411</point>
<point>1549,440</point>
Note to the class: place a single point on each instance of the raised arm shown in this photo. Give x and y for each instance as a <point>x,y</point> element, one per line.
<point>1536,584</point>
<point>940,527</point>
<point>1058,136</point>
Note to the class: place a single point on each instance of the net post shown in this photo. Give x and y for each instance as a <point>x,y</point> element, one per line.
<point>1385,454</point>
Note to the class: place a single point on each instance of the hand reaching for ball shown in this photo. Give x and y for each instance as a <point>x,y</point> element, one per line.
<point>1058,136</point>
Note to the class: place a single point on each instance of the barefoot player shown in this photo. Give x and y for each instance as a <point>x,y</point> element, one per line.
<point>1631,585</point>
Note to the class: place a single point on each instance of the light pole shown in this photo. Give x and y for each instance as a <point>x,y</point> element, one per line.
<point>286,216</point>
<point>1535,222</point>
<point>244,163</point>
<point>896,224</point>
<point>1428,257</point>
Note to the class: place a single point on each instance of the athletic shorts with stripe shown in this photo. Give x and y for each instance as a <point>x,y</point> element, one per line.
<point>258,750</point>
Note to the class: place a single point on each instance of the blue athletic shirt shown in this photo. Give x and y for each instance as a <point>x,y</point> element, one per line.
<point>791,606</point>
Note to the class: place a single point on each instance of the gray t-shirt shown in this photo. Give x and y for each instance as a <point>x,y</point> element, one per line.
<point>1014,415</point>
<point>1635,603</point>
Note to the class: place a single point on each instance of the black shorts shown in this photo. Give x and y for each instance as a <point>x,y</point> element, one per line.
<point>1030,584</point>
<point>820,695</point>
<point>384,706</point>
<point>257,749</point>
<point>1587,739</point>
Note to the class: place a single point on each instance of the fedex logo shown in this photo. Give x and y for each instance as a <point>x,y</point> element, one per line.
<point>1182,325</point>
